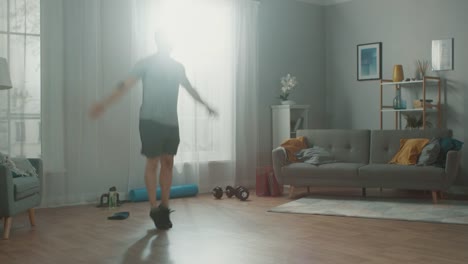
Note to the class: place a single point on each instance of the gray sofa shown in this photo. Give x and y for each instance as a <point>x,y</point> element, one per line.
<point>362,158</point>
<point>18,195</point>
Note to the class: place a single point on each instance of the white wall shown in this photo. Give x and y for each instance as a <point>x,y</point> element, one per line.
<point>406,29</point>
<point>291,40</point>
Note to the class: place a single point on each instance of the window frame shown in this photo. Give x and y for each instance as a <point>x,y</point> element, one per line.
<point>11,116</point>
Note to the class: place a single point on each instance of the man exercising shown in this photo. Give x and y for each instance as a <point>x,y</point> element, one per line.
<point>161,76</point>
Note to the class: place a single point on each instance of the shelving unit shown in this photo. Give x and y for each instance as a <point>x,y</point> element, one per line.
<point>427,81</point>
<point>286,120</point>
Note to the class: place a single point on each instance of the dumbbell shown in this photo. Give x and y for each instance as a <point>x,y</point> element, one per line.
<point>230,191</point>
<point>218,192</point>
<point>240,192</point>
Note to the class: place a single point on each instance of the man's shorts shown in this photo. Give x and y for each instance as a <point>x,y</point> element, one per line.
<point>158,139</point>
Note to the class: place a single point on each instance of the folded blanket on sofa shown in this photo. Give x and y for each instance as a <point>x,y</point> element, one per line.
<point>20,167</point>
<point>292,146</point>
<point>315,155</point>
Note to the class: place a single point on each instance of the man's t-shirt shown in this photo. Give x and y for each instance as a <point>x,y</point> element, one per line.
<point>161,77</point>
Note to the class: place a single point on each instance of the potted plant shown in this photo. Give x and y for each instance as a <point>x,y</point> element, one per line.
<point>415,122</point>
<point>288,83</point>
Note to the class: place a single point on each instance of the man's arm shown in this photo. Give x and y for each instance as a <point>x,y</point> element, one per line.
<point>98,108</point>
<point>188,86</point>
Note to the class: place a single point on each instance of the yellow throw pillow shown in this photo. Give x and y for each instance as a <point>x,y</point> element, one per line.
<point>410,149</point>
<point>294,145</point>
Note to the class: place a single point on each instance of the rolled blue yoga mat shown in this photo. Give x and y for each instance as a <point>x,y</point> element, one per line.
<point>139,195</point>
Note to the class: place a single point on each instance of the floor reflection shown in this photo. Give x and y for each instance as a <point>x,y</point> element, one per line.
<point>152,248</point>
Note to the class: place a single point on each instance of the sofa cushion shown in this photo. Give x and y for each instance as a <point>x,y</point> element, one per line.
<point>292,146</point>
<point>447,144</point>
<point>429,153</point>
<point>24,167</point>
<point>25,187</point>
<point>386,143</point>
<point>330,174</point>
<point>345,145</point>
<point>315,155</point>
<point>401,176</point>
<point>410,149</point>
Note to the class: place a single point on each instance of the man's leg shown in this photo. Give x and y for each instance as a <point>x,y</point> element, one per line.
<point>151,179</point>
<point>165,178</point>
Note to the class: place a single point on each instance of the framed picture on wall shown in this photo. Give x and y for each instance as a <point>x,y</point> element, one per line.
<point>369,61</point>
<point>442,54</point>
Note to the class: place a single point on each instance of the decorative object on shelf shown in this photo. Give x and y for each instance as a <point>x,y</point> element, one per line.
<point>442,54</point>
<point>369,61</point>
<point>418,104</point>
<point>5,81</point>
<point>398,75</point>
<point>422,68</point>
<point>415,122</point>
<point>398,103</point>
<point>288,83</point>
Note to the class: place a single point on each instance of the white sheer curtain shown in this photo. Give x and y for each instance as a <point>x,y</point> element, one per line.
<point>216,42</point>
<point>101,40</point>
<point>246,120</point>
<point>86,52</point>
<point>53,89</point>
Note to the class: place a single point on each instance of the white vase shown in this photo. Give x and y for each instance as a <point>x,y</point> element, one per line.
<point>287,102</point>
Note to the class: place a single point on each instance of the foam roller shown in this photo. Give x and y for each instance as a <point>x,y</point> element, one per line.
<point>140,194</point>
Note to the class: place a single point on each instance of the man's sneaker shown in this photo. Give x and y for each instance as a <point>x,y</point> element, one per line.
<point>165,219</point>
<point>160,216</point>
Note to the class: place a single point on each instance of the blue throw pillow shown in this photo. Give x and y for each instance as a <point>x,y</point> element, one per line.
<point>430,153</point>
<point>447,144</point>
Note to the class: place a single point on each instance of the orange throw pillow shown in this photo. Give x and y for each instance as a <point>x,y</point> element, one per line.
<point>410,149</point>
<point>294,145</point>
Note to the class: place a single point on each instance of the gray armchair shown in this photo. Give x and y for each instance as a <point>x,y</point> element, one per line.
<point>18,195</point>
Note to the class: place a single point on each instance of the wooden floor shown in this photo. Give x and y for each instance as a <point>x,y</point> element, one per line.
<point>227,231</point>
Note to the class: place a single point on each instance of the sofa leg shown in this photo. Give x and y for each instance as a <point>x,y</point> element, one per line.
<point>434,197</point>
<point>32,217</point>
<point>364,194</point>
<point>291,192</point>
<point>441,195</point>
<point>308,189</point>
<point>6,227</point>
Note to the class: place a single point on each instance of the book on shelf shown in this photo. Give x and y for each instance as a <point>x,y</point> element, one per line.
<point>298,124</point>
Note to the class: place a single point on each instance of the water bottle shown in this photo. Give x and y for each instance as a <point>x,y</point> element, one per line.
<point>112,200</point>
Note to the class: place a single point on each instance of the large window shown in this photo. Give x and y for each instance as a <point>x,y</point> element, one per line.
<point>203,36</point>
<point>20,107</point>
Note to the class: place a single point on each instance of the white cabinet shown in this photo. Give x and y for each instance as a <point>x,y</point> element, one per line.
<point>286,120</point>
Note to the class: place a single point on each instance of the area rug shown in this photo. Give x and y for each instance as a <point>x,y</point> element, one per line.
<point>446,211</point>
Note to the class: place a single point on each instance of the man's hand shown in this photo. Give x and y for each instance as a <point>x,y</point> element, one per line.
<point>211,111</point>
<point>96,110</point>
